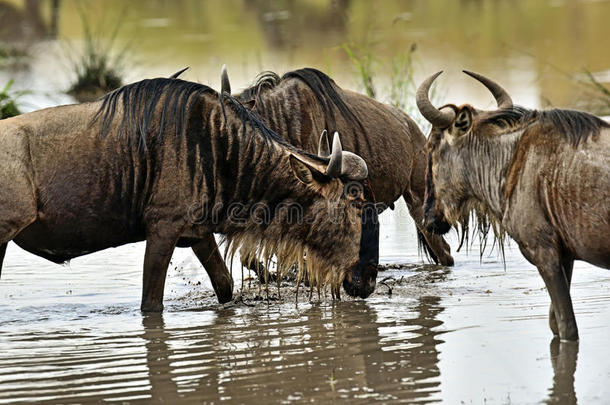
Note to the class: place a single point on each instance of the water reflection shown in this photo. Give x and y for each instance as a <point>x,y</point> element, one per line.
<point>282,21</point>
<point>28,24</point>
<point>347,350</point>
<point>335,352</point>
<point>563,357</point>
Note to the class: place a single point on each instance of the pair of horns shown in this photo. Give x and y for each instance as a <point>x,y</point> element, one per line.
<point>443,119</point>
<point>341,163</point>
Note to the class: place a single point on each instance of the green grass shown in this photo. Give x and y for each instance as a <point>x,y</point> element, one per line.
<point>363,60</point>
<point>8,101</point>
<point>599,101</point>
<point>401,88</point>
<point>98,68</point>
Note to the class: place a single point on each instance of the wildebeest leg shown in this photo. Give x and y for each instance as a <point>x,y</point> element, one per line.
<point>159,251</point>
<point>208,254</point>
<point>552,273</point>
<point>567,265</point>
<point>435,245</point>
<point>16,214</point>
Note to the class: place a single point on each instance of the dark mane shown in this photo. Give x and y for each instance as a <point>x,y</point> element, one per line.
<point>138,102</point>
<point>322,86</point>
<point>265,80</point>
<point>575,126</point>
<point>248,117</point>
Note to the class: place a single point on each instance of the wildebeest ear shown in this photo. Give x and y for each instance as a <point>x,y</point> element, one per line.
<point>462,123</point>
<point>301,170</point>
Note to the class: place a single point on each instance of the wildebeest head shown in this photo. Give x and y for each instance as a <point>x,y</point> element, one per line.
<point>360,277</point>
<point>448,198</point>
<point>321,221</point>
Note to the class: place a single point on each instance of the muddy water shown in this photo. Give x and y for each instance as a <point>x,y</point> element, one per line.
<point>476,333</point>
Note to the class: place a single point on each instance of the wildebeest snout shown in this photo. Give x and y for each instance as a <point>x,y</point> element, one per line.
<point>360,281</point>
<point>434,222</point>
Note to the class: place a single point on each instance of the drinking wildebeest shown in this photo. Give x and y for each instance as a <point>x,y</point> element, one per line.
<point>543,177</point>
<point>306,100</point>
<point>166,161</point>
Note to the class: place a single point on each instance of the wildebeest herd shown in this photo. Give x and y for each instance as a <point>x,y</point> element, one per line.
<point>173,162</point>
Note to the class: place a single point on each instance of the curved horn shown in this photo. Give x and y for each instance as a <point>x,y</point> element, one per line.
<point>323,145</point>
<point>336,158</point>
<point>225,85</point>
<point>178,73</point>
<point>437,118</point>
<point>501,96</point>
<point>354,167</point>
<point>345,164</point>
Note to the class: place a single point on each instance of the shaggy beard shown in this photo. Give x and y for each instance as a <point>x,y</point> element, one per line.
<point>473,218</point>
<point>323,251</point>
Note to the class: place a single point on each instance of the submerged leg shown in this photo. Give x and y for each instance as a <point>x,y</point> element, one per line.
<point>159,252</point>
<point>208,254</point>
<point>567,266</point>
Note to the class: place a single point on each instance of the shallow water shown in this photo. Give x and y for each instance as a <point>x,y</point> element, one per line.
<point>475,333</point>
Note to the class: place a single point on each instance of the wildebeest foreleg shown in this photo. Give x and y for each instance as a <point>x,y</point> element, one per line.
<point>2,253</point>
<point>557,285</point>
<point>159,251</point>
<point>208,254</point>
<point>16,214</point>
<point>567,266</point>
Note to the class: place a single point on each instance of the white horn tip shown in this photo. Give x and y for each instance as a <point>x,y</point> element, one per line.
<point>337,141</point>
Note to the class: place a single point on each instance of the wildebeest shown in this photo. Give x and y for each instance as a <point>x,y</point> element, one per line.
<point>306,101</point>
<point>543,177</point>
<point>167,161</point>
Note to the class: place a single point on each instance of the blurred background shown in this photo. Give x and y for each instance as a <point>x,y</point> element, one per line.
<point>545,52</point>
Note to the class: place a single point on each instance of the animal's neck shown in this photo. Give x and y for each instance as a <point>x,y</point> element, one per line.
<point>490,159</point>
<point>257,179</point>
<point>279,114</point>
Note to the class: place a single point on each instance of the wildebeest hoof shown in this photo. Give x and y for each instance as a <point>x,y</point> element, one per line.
<point>447,260</point>
<point>224,297</point>
<point>223,289</point>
